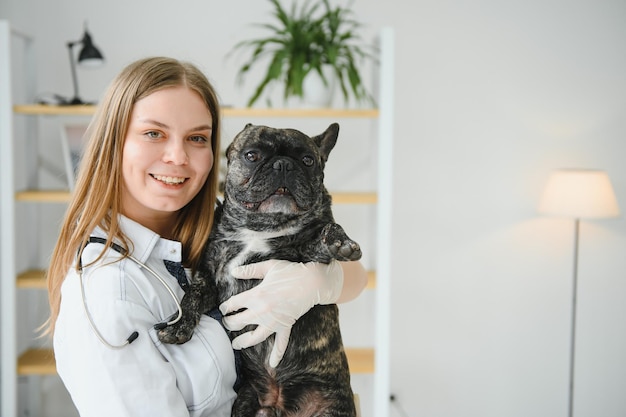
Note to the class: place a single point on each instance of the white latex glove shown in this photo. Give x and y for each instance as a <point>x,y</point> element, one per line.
<point>288,290</point>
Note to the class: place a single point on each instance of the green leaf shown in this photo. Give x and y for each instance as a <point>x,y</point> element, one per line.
<point>302,39</point>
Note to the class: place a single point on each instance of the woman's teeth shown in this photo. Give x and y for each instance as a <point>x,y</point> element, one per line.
<point>169,180</point>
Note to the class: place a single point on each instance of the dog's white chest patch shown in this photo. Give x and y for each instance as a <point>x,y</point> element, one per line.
<point>257,243</point>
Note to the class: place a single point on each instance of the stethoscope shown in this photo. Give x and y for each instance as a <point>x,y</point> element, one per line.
<point>130,339</point>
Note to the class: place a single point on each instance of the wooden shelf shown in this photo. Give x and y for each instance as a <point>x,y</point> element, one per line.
<point>41,361</point>
<point>300,113</point>
<point>36,279</point>
<point>43,196</point>
<point>354,198</point>
<point>52,110</point>
<point>360,360</point>
<point>33,279</point>
<point>88,110</point>
<point>63,196</point>
<point>371,280</point>
<point>36,362</point>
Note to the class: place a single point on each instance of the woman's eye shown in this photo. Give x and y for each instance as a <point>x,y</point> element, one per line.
<point>199,139</point>
<point>153,134</point>
<point>308,161</point>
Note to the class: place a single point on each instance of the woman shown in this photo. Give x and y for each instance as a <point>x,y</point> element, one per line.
<point>146,188</point>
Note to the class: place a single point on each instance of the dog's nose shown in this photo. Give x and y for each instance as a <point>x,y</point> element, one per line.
<point>283,165</point>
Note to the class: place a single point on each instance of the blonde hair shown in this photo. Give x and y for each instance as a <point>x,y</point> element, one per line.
<point>96,199</point>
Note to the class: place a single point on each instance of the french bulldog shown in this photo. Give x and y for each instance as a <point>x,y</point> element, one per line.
<point>276,206</point>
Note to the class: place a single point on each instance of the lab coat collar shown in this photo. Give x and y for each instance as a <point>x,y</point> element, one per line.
<point>145,241</point>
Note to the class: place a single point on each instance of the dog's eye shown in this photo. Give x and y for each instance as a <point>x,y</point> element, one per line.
<point>308,161</point>
<point>252,156</point>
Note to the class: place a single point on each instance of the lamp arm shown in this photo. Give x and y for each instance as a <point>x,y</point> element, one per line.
<point>70,46</point>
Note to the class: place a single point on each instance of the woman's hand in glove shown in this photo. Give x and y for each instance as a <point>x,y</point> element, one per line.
<point>288,290</point>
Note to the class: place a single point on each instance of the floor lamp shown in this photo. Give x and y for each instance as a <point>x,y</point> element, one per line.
<point>578,194</point>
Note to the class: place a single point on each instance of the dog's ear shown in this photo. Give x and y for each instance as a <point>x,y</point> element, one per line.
<point>327,140</point>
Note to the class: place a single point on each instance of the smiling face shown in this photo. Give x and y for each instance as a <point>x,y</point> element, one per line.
<point>167,156</point>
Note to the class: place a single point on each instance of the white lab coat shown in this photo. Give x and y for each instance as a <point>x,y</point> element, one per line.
<point>145,378</point>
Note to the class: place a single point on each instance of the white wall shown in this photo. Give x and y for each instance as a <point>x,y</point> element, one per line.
<point>491,96</point>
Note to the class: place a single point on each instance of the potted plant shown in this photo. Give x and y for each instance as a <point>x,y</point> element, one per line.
<point>307,40</point>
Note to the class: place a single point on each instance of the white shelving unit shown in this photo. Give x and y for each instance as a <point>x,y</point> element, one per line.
<point>7,289</point>
<point>382,379</point>
<point>37,361</point>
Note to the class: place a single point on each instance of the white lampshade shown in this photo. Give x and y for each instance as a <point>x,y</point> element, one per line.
<point>579,193</point>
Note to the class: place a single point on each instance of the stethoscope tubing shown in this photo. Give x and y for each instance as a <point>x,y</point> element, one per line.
<point>130,339</point>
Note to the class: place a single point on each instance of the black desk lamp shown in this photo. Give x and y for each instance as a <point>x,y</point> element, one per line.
<point>89,56</point>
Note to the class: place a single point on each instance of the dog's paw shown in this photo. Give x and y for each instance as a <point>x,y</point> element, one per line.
<point>345,250</point>
<point>178,333</point>
<point>340,246</point>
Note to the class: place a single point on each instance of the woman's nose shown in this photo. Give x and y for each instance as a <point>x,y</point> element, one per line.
<point>175,152</point>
